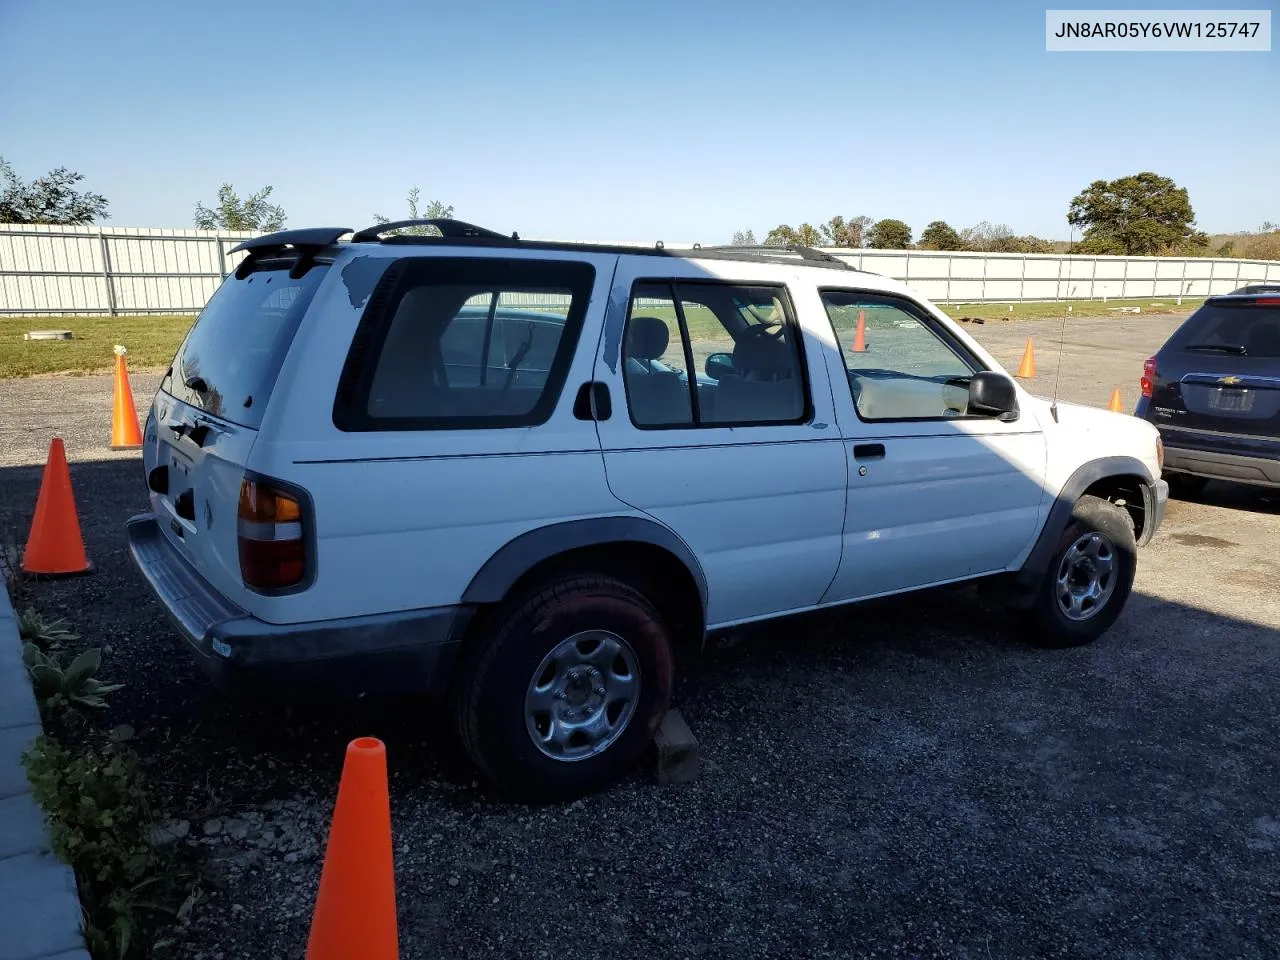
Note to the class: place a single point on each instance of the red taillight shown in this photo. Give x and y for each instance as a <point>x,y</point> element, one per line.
<point>1148,380</point>
<point>1268,302</point>
<point>271,538</point>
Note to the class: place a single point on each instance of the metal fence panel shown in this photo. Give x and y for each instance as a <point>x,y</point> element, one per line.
<point>101,270</point>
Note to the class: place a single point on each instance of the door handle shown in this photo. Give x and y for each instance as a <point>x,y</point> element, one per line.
<point>868,451</point>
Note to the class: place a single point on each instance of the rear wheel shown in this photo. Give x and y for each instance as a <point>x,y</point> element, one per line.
<point>565,687</point>
<point>1089,578</point>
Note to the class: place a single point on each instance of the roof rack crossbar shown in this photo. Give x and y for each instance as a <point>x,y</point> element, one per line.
<point>775,250</point>
<point>447,227</point>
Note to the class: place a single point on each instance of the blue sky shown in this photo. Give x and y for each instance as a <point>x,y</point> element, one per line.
<point>623,121</point>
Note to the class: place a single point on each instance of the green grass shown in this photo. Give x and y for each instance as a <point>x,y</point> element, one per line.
<point>151,341</point>
<point>1056,308</point>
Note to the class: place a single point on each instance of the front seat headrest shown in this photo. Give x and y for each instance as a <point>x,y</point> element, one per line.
<point>647,338</point>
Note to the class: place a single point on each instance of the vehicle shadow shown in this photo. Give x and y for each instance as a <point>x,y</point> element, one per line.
<point>1236,496</point>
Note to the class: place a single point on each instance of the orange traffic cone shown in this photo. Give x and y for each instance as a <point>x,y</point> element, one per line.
<point>125,434</point>
<point>355,913</point>
<point>1028,366</point>
<point>860,338</point>
<point>1115,406</point>
<point>54,545</point>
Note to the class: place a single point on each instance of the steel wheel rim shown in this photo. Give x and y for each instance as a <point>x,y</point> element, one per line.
<point>582,696</point>
<point>1086,576</point>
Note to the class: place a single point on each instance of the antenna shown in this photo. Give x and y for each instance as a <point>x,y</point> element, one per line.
<point>1062,334</point>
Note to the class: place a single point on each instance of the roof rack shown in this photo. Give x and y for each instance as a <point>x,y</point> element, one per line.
<point>452,229</point>
<point>309,242</point>
<point>766,250</point>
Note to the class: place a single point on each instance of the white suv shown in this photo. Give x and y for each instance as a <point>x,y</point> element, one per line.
<point>516,473</point>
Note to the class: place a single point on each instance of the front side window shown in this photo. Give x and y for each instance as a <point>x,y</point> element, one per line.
<point>465,343</point>
<point>902,367</point>
<point>712,354</point>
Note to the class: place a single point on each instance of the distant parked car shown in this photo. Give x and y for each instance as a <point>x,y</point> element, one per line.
<point>1213,392</point>
<point>1256,288</point>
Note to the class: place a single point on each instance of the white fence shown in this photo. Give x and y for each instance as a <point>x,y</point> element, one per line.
<point>1001,277</point>
<point>88,270</point>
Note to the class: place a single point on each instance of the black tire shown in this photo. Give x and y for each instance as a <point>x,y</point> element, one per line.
<point>1049,623</point>
<point>1185,486</point>
<point>498,664</point>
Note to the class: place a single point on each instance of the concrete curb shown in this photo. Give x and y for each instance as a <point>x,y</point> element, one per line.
<point>39,903</point>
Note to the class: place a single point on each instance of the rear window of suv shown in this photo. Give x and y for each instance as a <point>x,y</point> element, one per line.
<point>230,359</point>
<point>1241,328</point>
<point>449,343</point>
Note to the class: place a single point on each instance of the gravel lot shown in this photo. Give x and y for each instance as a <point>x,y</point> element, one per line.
<point>906,779</point>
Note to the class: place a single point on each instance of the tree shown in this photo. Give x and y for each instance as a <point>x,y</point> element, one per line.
<point>1263,245</point>
<point>1141,215</point>
<point>48,199</point>
<point>232,213</point>
<point>988,237</point>
<point>806,235</point>
<point>940,235</point>
<point>434,210</point>
<point>838,232</point>
<point>743,238</point>
<point>889,235</point>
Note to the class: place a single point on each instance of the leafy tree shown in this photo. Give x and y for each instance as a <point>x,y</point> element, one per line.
<point>48,199</point>
<point>805,235</point>
<point>1142,215</point>
<point>434,210</point>
<point>743,238</point>
<point>889,235</point>
<point>232,213</point>
<point>940,235</point>
<point>838,232</point>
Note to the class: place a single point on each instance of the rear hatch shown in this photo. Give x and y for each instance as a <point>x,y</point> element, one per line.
<point>1220,372</point>
<point>210,405</point>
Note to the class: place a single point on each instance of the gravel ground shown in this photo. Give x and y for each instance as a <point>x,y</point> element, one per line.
<point>907,779</point>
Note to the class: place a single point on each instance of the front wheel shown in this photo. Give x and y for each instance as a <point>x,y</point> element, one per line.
<point>564,689</point>
<point>1089,578</point>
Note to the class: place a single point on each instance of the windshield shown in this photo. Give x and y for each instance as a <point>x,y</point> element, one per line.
<point>229,362</point>
<point>1250,330</point>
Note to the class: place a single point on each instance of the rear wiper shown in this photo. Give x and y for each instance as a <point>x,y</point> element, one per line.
<point>1220,348</point>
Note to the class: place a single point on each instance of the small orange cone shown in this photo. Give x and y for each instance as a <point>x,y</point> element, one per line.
<point>125,434</point>
<point>1116,405</point>
<point>355,913</point>
<point>860,338</point>
<point>1028,366</point>
<point>54,545</point>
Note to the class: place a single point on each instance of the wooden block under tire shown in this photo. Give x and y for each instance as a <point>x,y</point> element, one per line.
<point>676,749</point>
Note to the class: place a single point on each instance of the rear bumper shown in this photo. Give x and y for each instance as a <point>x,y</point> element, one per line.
<point>1239,458</point>
<point>407,652</point>
<point>1220,465</point>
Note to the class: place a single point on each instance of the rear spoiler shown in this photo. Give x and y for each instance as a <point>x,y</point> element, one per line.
<point>305,244</point>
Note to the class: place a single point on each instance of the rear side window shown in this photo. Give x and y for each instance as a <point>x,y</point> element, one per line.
<point>711,354</point>
<point>230,359</point>
<point>450,343</point>
<point>1245,330</point>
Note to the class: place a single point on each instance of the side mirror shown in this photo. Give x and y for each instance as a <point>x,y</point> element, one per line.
<point>719,365</point>
<point>993,394</point>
